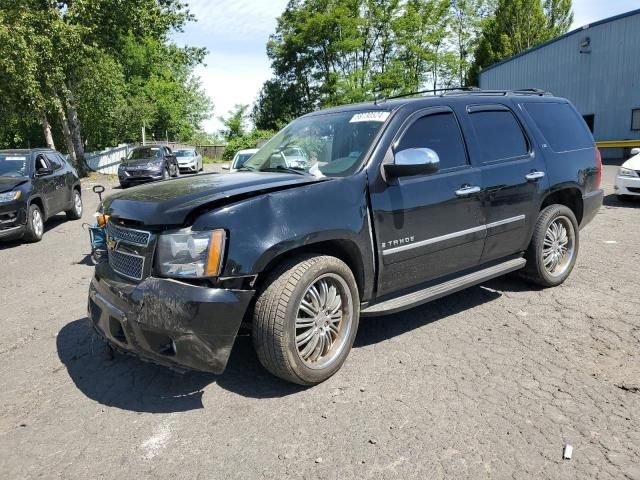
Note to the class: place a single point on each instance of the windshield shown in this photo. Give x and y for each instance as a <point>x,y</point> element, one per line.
<point>14,165</point>
<point>331,145</point>
<point>145,153</point>
<point>185,153</point>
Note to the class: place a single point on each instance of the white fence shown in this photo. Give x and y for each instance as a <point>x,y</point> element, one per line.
<point>107,161</point>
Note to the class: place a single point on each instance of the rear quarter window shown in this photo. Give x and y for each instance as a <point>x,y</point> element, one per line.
<point>563,129</point>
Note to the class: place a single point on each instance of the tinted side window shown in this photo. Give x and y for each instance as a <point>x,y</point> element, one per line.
<point>439,132</point>
<point>499,135</point>
<point>560,125</point>
<point>54,161</point>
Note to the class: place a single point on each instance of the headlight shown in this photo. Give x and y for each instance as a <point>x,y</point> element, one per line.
<point>627,172</point>
<point>10,196</point>
<point>191,254</point>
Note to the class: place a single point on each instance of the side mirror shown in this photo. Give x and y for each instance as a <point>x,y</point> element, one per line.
<point>413,161</point>
<point>43,172</point>
<point>635,151</point>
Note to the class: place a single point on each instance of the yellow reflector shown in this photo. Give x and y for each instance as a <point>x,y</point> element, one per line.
<point>216,251</point>
<point>18,195</point>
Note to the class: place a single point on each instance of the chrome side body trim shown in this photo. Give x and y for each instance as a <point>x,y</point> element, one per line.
<point>450,236</point>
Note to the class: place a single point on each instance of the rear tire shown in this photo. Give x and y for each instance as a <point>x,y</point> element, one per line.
<point>35,224</point>
<point>554,247</point>
<point>306,318</point>
<point>76,211</point>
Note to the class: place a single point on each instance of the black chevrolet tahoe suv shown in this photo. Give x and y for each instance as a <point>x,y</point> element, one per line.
<point>383,207</point>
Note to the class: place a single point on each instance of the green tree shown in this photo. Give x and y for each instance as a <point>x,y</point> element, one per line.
<point>243,142</point>
<point>235,123</point>
<point>516,26</point>
<point>92,71</point>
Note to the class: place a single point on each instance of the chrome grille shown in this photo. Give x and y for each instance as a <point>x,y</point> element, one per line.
<point>126,264</point>
<point>128,235</point>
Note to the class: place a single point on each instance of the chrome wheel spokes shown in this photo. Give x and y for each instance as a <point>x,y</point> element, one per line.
<point>37,223</point>
<point>78,204</point>
<point>323,321</point>
<point>558,246</point>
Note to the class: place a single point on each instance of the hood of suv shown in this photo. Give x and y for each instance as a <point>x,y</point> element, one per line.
<point>9,183</point>
<point>170,202</point>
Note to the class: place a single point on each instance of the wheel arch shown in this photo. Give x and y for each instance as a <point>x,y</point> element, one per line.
<point>37,200</point>
<point>570,197</point>
<point>343,249</point>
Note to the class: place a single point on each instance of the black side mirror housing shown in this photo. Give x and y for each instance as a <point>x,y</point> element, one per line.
<point>413,161</point>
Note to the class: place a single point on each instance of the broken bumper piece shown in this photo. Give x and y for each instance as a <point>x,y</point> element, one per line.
<point>167,322</point>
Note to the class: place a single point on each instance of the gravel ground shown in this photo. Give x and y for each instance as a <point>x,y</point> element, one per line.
<point>491,382</point>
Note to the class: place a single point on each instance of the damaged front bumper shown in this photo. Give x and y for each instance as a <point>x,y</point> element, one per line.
<point>167,322</point>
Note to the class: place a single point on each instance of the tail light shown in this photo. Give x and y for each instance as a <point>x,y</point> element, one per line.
<point>599,166</point>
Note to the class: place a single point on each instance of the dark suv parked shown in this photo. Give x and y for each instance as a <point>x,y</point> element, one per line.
<point>35,185</point>
<point>399,202</point>
<point>147,164</point>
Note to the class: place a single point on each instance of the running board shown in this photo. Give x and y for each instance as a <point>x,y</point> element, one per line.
<point>420,297</point>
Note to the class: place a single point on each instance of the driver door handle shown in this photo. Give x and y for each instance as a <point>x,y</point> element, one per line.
<point>534,176</point>
<point>467,190</point>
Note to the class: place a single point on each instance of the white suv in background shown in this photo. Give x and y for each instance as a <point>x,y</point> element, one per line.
<point>628,180</point>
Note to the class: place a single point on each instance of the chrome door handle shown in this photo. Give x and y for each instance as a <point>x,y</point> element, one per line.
<point>534,176</point>
<point>467,190</point>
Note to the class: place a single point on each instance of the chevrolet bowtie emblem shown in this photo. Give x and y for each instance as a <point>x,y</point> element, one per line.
<point>112,244</point>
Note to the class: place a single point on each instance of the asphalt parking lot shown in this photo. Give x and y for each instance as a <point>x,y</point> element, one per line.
<point>491,382</point>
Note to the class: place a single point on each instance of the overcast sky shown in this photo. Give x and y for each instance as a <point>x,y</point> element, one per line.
<point>236,31</point>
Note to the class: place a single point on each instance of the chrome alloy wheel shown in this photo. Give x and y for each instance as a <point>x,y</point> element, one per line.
<point>323,322</point>
<point>77,204</point>
<point>37,222</point>
<point>559,246</point>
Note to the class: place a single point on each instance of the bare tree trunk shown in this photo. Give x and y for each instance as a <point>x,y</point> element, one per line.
<point>46,129</point>
<point>76,137</point>
<point>66,132</point>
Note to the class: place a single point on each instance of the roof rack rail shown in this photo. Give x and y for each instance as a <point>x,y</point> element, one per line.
<point>522,91</point>
<point>421,92</point>
<point>467,91</point>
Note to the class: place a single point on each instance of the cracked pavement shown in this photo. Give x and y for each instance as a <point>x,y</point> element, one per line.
<point>491,382</point>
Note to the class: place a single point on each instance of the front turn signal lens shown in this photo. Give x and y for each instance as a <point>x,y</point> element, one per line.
<point>216,253</point>
<point>102,219</point>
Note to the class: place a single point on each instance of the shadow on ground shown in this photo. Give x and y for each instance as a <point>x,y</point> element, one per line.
<point>613,201</point>
<point>126,382</point>
<point>50,225</point>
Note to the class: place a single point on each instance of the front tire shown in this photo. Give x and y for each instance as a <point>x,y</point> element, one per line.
<point>306,319</point>
<point>554,247</point>
<point>625,198</point>
<point>76,211</point>
<point>35,224</point>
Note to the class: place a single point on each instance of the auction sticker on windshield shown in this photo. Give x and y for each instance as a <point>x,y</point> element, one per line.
<point>370,117</point>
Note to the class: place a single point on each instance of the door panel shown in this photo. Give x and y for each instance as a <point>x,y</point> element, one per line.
<point>513,179</point>
<point>61,194</point>
<point>425,231</point>
<point>424,226</point>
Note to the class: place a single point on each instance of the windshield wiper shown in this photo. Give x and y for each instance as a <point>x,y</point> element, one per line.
<point>280,168</point>
<point>245,168</point>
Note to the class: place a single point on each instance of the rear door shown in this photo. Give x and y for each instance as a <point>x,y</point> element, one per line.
<point>429,226</point>
<point>62,193</point>
<point>513,177</point>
